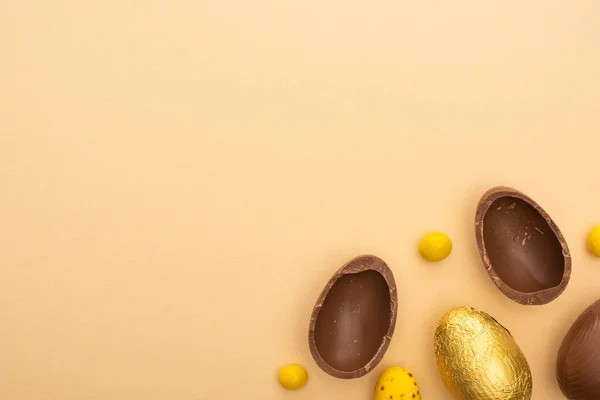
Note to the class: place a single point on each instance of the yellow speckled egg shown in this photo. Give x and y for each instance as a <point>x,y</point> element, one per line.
<point>397,383</point>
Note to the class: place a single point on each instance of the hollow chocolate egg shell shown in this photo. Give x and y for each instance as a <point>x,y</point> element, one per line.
<point>578,361</point>
<point>354,318</point>
<point>521,247</point>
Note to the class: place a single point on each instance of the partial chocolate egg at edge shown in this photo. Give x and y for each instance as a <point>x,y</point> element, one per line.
<point>354,318</point>
<point>578,361</point>
<point>522,249</point>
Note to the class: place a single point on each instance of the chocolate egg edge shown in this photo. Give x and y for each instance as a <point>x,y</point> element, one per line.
<point>567,345</point>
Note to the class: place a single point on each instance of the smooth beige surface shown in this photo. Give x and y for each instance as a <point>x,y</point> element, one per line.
<point>179,179</point>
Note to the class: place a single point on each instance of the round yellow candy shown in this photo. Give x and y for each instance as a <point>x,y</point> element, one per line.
<point>594,241</point>
<point>435,246</point>
<point>293,376</point>
<point>397,383</point>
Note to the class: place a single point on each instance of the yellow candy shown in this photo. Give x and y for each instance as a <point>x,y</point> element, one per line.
<point>397,383</point>
<point>435,246</point>
<point>293,376</point>
<point>594,241</point>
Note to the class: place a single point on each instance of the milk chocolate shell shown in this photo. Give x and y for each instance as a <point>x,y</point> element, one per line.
<point>578,362</point>
<point>353,321</point>
<point>521,247</point>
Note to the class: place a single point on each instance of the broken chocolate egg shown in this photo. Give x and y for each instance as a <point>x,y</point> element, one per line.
<point>354,318</point>
<point>578,360</point>
<point>521,247</point>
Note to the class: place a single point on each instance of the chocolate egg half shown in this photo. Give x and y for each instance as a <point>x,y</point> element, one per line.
<point>479,359</point>
<point>578,362</point>
<point>521,247</point>
<point>354,318</point>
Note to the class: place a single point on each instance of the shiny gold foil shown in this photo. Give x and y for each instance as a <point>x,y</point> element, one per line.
<point>479,359</point>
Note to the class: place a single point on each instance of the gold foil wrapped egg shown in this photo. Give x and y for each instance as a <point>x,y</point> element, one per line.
<point>479,359</point>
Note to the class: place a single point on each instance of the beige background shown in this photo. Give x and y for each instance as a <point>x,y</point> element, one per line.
<point>178,180</point>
